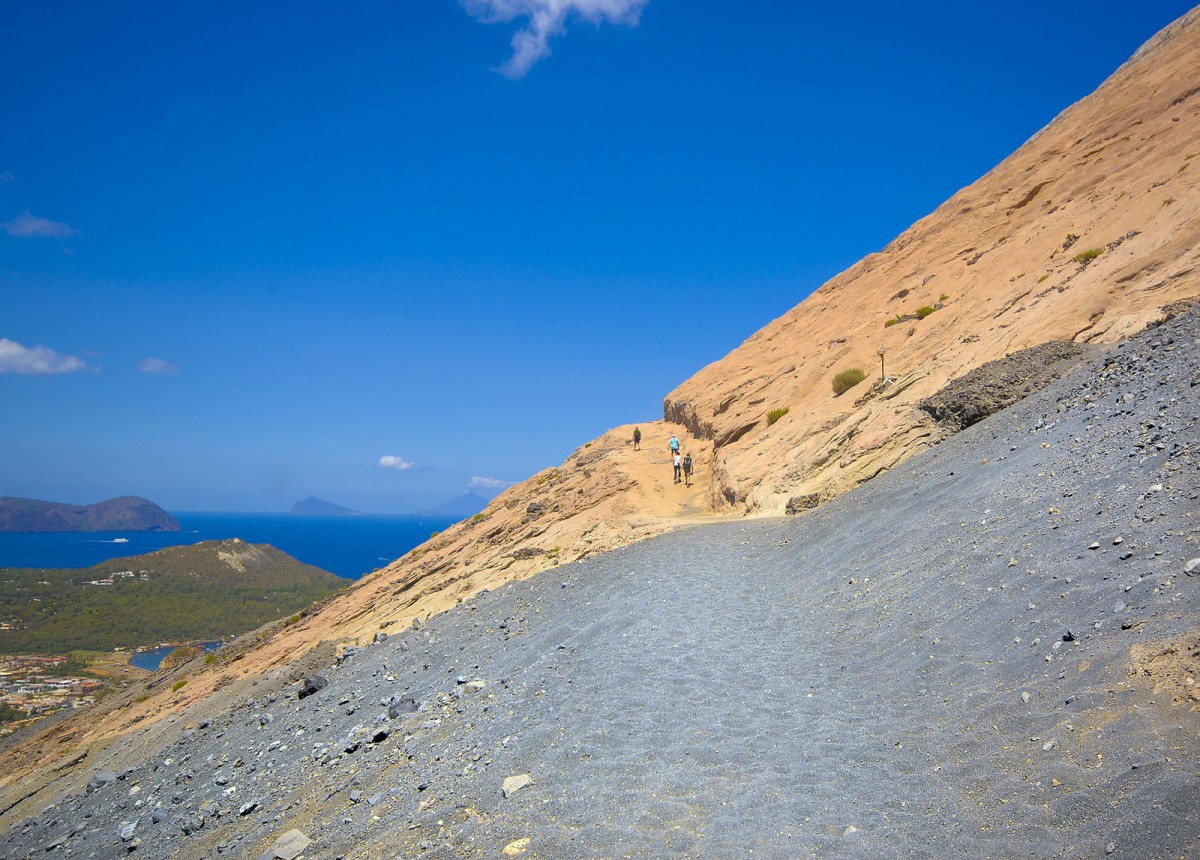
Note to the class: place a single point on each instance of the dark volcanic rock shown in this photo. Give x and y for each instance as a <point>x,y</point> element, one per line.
<point>311,685</point>
<point>998,384</point>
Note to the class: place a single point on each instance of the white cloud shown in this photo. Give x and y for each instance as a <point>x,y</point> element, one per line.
<point>29,226</point>
<point>36,361</point>
<point>481,483</point>
<point>157,365</point>
<point>548,18</point>
<point>391,461</point>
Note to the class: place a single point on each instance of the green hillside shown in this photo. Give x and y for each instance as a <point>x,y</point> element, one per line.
<point>204,591</point>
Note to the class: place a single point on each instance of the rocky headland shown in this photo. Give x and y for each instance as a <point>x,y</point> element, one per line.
<point>127,513</point>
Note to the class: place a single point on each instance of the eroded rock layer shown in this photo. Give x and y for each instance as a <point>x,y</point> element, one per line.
<point>1084,235</point>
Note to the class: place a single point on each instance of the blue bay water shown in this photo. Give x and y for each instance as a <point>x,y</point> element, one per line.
<point>151,659</point>
<point>348,546</point>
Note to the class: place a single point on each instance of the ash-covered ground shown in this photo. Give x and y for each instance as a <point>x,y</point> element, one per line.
<point>990,651</point>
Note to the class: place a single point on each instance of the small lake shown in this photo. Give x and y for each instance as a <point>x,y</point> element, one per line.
<point>151,660</point>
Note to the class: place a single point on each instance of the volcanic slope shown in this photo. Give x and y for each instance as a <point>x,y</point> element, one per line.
<point>1085,234</point>
<point>990,650</point>
<point>1122,161</point>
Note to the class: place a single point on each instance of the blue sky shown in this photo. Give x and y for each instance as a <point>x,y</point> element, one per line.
<point>249,251</point>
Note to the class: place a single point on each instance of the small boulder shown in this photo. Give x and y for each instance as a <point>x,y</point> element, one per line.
<point>402,706</point>
<point>513,784</point>
<point>804,502</point>
<point>289,846</point>
<point>312,684</point>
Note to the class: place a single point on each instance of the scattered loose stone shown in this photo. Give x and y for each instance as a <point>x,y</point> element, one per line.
<point>312,685</point>
<point>103,778</point>
<point>403,706</point>
<point>1025,697</point>
<point>516,847</point>
<point>1192,567</point>
<point>289,846</point>
<point>513,784</point>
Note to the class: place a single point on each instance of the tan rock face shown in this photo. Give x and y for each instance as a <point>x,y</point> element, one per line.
<point>1085,234</point>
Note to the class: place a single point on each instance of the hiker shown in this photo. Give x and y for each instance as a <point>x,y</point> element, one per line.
<point>678,466</point>
<point>673,444</point>
<point>637,438</point>
<point>687,469</point>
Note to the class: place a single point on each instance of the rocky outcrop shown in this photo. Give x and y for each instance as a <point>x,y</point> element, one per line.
<point>1084,235</point>
<point>998,384</point>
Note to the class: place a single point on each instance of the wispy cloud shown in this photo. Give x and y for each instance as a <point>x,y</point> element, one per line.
<point>391,461</point>
<point>157,365</point>
<point>29,226</point>
<point>548,18</point>
<point>481,483</point>
<point>5,176</point>
<point>36,361</point>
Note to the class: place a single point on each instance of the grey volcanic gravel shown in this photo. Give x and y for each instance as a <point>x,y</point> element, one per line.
<point>934,665</point>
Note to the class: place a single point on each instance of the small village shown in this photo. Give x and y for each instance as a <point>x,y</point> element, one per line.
<point>36,687</point>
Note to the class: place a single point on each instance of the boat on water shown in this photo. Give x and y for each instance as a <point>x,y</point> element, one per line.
<point>120,540</point>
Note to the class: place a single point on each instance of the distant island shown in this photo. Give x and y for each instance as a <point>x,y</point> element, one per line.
<point>466,505</point>
<point>208,590</point>
<point>124,514</point>
<point>314,507</point>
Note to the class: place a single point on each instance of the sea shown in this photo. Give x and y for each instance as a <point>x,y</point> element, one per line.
<point>350,546</point>
<point>152,658</point>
